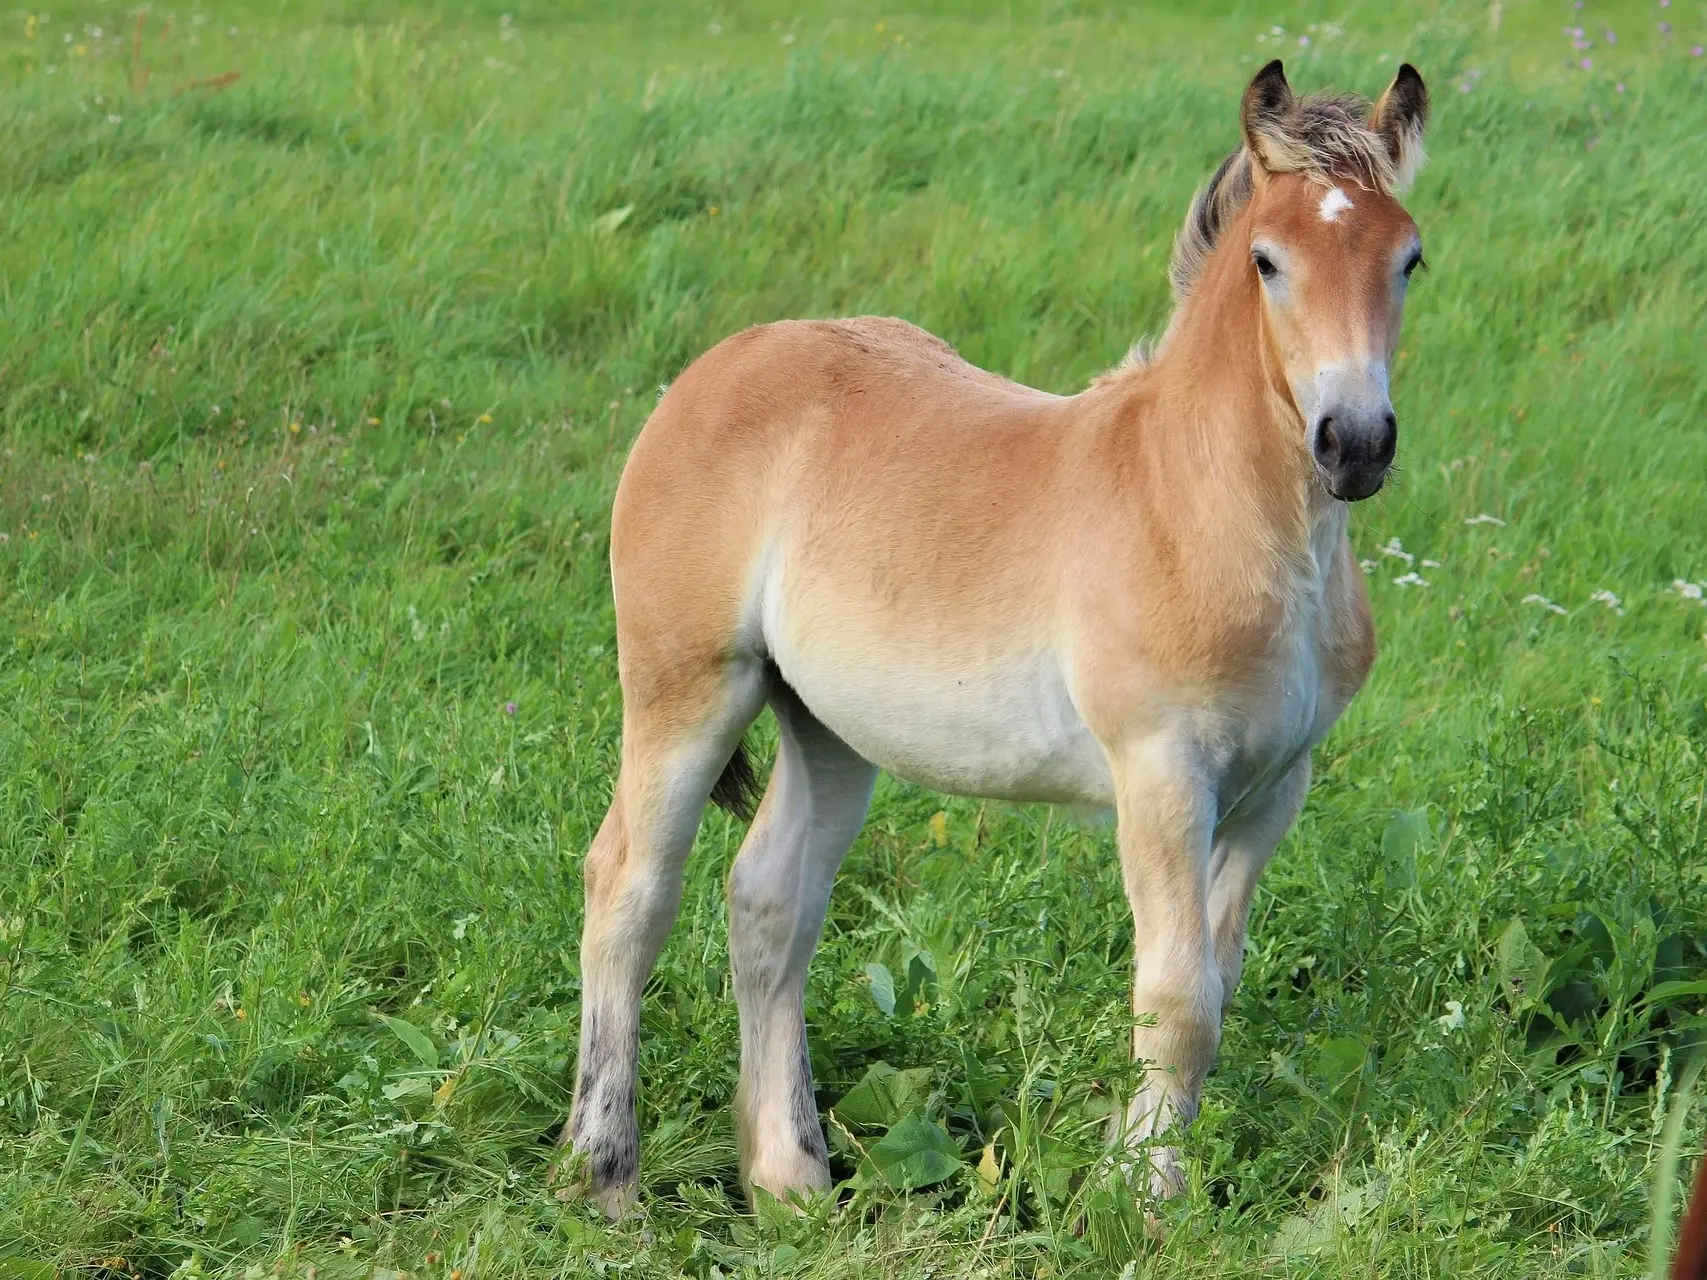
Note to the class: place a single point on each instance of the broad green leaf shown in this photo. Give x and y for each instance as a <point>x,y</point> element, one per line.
<point>425,1051</point>
<point>884,1096</point>
<point>1310,1233</point>
<point>1523,967</point>
<point>408,1087</point>
<point>920,970</point>
<point>1339,1063</point>
<point>882,985</point>
<point>915,1153</point>
<point>1405,835</point>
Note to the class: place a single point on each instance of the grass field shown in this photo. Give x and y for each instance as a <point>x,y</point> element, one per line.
<point>314,387</point>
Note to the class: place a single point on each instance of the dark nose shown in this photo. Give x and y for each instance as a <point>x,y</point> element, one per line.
<point>1354,450</point>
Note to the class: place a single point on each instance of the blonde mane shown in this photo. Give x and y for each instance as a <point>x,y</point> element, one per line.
<point>1325,138</point>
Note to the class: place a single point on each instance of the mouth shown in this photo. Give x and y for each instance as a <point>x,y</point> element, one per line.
<point>1355,491</point>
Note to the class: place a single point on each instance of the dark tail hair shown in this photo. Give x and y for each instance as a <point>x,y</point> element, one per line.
<point>738,788</point>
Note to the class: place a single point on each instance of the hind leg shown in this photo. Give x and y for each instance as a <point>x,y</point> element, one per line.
<point>633,887</point>
<point>779,888</point>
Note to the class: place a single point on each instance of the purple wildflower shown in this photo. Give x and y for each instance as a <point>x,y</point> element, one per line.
<point>509,708</point>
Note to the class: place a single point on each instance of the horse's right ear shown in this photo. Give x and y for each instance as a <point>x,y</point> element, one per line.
<point>1265,118</point>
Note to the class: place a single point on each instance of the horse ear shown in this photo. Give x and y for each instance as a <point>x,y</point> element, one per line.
<point>1399,117</point>
<point>1265,116</point>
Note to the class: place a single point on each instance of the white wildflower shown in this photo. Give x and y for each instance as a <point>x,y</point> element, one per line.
<point>1545,603</point>
<point>1431,564</point>
<point>1412,579</point>
<point>1396,549</point>
<point>1453,1018</point>
<point>1485,518</point>
<point>1368,566</point>
<point>1689,590</point>
<point>1612,602</point>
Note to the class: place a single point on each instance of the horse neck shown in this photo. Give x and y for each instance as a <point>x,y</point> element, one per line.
<point>1228,439</point>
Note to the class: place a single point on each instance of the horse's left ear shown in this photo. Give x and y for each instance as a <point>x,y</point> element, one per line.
<point>1399,116</point>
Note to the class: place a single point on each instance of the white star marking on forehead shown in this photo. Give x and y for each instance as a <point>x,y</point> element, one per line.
<point>1333,204</point>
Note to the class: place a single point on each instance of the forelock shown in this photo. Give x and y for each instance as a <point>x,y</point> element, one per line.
<point>1328,138</point>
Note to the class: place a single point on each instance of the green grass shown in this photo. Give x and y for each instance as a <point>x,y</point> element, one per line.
<point>313,392</point>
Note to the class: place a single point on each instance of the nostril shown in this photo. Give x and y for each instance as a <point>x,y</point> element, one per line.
<point>1389,436</point>
<point>1327,440</point>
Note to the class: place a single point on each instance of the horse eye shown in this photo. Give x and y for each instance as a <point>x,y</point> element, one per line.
<point>1265,265</point>
<point>1415,262</point>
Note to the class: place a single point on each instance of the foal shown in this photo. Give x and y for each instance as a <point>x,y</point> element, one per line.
<point>1141,596</point>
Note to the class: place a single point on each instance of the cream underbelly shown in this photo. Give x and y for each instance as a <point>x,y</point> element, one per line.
<point>975,714</point>
<point>1007,730</point>
<point>1012,732</point>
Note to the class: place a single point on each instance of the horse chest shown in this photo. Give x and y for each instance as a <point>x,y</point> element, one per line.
<point>1279,716</point>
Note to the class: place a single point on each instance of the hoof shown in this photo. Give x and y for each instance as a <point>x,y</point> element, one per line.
<point>613,1202</point>
<point>790,1181</point>
<point>571,1180</point>
<point>1158,1171</point>
<point>1166,1173</point>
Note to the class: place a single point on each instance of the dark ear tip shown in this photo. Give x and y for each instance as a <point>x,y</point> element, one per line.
<point>1269,92</point>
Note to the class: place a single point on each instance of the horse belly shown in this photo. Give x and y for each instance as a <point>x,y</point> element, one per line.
<point>1005,728</point>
